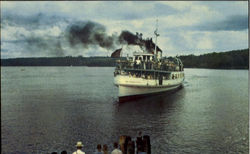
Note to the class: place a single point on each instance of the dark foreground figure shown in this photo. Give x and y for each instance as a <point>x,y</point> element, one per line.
<point>140,146</point>
<point>126,145</point>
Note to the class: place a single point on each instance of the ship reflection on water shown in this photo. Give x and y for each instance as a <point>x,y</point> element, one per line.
<point>153,115</point>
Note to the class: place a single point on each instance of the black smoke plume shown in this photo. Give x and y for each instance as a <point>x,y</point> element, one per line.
<point>77,35</point>
<point>129,38</point>
<point>89,33</point>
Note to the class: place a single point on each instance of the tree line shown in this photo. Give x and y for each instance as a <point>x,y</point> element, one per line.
<point>236,59</point>
<point>60,61</point>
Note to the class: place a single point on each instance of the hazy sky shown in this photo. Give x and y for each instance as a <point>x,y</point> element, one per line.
<point>35,29</point>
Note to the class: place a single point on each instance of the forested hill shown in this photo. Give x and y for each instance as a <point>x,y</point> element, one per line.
<point>60,61</point>
<point>237,59</point>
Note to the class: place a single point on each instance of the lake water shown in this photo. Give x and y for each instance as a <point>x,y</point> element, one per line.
<point>46,109</point>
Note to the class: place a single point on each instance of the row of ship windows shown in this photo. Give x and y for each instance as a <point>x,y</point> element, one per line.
<point>139,75</point>
<point>176,76</point>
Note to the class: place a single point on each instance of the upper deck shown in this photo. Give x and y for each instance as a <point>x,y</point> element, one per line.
<point>140,62</point>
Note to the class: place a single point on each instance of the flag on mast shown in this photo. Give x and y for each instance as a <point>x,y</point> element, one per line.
<point>116,53</point>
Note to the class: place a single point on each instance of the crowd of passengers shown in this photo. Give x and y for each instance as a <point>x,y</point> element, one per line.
<point>146,76</point>
<point>151,76</point>
<point>149,64</point>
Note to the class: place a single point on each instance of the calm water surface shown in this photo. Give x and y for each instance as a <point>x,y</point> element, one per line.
<point>46,109</point>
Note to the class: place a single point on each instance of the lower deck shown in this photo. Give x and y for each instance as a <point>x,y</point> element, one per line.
<point>148,80</point>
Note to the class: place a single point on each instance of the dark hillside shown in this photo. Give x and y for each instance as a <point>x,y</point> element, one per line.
<point>237,59</point>
<point>60,61</point>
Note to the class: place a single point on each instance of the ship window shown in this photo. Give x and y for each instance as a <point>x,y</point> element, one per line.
<point>144,58</point>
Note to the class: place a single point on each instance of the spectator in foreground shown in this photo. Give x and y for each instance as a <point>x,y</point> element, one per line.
<point>64,152</point>
<point>105,149</point>
<point>99,149</point>
<point>139,142</point>
<point>116,150</point>
<point>79,147</point>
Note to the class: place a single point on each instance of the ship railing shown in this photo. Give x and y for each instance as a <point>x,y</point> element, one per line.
<point>148,74</point>
<point>149,65</point>
<point>143,70</point>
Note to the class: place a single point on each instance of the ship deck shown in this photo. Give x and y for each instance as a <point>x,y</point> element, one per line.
<point>148,70</point>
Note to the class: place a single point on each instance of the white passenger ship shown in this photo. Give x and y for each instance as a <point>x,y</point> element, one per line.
<point>147,73</point>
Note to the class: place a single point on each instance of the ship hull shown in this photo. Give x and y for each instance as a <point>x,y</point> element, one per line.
<point>127,93</point>
<point>132,87</point>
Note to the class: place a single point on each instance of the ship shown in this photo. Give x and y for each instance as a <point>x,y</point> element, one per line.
<point>147,72</point>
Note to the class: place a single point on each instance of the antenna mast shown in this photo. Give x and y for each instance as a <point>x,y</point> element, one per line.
<point>156,35</point>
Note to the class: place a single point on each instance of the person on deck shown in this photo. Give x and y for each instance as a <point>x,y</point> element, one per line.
<point>79,147</point>
<point>138,63</point>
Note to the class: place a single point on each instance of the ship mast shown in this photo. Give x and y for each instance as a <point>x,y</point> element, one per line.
<point>156,35</point>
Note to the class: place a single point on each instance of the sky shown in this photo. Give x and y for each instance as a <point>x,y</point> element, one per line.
<point>82,28</point>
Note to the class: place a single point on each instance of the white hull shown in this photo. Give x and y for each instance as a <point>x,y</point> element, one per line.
<point>133,91</point>
<point>132,86</point>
